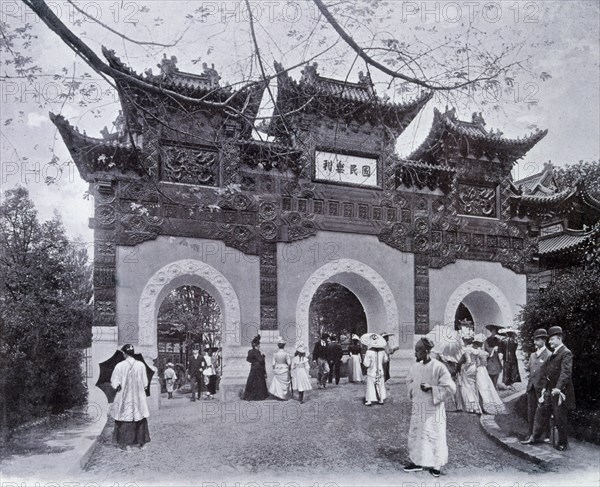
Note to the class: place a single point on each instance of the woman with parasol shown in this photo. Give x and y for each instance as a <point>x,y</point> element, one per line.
<point>130,409</point>
<point>373,361</point>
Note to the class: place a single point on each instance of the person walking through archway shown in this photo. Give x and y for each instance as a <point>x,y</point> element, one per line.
<point>319,357</point>
<point>355,362</point>
<point>170,377</point>
<point>195,373</point>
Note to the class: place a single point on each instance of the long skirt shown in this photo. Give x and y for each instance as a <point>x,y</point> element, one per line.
<point>354,369</point>
<point>170,383</point>
<point>256,385</point>
<point>454,401</point>
<point>372,394</point>
<point>467,381</point>
<point>492,404</point>
<point>301,380</point>
<point>128,433</point>
<point>280,384</point>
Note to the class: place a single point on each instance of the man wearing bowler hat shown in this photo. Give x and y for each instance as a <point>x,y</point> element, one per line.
<point>558,394</point>
<point>493,346</point>
<point>535,367</point>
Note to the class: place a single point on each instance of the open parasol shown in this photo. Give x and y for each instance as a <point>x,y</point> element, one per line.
<point>108,366</point>
<point>447,342</point>
<point>373,340</point>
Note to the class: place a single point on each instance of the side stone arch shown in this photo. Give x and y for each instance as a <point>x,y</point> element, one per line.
<point>187,272</point>
<point>368,286</point>
<point>478,286</point>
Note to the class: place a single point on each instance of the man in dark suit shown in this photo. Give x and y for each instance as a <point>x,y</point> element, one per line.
<point>319,357</point>
<point>535,367</point>
<point>196,365</point>
<point>334,359</point>
<point>558,394</point>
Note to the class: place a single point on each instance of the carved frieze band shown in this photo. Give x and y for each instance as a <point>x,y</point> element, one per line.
<point>421,272</point>
<point>268,285</point>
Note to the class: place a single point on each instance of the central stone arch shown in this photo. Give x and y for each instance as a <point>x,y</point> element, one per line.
<point>194,273</point>
<point>367,285</point>
<point>486,302</point>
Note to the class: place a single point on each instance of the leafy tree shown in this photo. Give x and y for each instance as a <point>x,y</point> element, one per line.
<point>586,171</point>
<point>336,310</point>
<point>45,313</point>
<point>191,315</point>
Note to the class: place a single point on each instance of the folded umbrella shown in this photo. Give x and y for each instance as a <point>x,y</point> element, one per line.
<point>106,370</point>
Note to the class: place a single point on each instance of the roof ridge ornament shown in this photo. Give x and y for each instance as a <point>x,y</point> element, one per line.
<point>168,66</point>
<point>309,73</point>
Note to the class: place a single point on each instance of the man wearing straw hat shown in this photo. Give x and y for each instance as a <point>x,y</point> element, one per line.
<point>319,356</point>
<point>429,384</point>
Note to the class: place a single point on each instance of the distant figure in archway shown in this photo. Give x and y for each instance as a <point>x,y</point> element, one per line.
<point>511,364</point>
<point>494,347</point>
<point>256,386</point>
<point>354,364</point>
<point>319,357</point>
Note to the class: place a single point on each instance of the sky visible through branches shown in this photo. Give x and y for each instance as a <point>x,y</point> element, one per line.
<point>548,52</point>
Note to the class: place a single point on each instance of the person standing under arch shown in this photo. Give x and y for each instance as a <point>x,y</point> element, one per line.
<point>130,407</point>
<point>493,346</point>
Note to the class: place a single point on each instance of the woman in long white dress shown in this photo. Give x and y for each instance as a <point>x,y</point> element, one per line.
<point>300,368</point>
<point>467,378</point>
<point>373,361</point>
<point>280,385</point>
<point>354,368</point>
<point>490,400</point>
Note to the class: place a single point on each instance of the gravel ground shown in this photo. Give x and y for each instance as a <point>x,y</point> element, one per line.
<point>331,436</point>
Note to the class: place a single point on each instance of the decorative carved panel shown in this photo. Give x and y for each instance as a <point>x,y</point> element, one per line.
<point>477,200</point>
<point>190,166</point>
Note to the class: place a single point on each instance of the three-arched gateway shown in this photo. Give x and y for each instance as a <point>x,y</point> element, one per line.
<point>261,225</point>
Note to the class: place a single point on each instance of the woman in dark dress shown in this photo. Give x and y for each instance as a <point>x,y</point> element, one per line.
<point>256,386</point>
<point>511,364</point>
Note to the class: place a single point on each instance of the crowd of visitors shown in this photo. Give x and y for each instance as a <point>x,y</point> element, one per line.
<point>456,374</point>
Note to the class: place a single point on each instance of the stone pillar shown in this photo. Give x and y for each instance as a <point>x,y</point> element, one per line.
<point>104,345</point>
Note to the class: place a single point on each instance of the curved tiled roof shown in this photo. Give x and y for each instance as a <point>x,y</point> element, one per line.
<point>203,86</point>
<point>567,241</point>
<point>448,123</point>
<point>340,99</point>
<point>93,154</point>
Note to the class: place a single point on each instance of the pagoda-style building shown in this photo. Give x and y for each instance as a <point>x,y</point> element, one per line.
<point>186,195</point>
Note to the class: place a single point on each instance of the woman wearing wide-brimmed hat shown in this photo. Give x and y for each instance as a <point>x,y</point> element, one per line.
<point>354,368</point>
<point>490,400</point>
<point>467,377</point>
<point>300,368</point>
<point>373,361</point>
<point>280,385</point>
